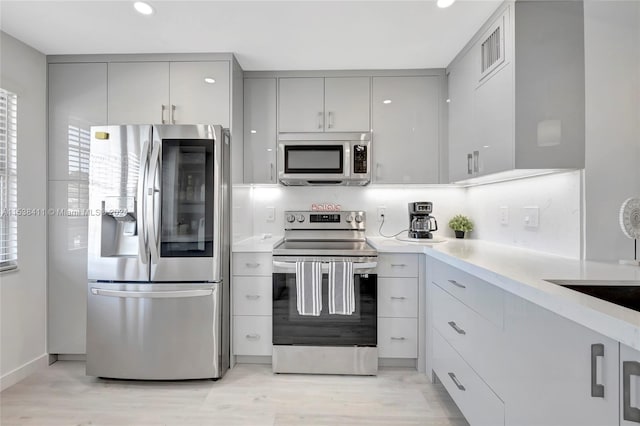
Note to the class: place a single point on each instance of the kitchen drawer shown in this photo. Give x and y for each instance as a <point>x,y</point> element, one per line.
<point>398,265</point>
<point>252,295</point>
<point>473,337</point>
<point>398,297</point>
<point>397,338</point>
<point>252,335</point>
<point>479,404</point>
<point>484,298</point>
<point>252,264</point>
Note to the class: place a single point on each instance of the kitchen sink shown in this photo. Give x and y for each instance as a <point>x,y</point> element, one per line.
<point>622,293</point>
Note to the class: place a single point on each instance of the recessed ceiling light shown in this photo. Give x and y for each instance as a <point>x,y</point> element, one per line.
<point>445,3</point>
<point>253,132</point>
<point>142,7</point>
<point>209,80</point>
<point>386,101</point>
<point>448,100</point>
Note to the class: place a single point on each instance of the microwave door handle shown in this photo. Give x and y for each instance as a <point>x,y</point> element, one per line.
<point>151,197</point>
<point>143,235</point>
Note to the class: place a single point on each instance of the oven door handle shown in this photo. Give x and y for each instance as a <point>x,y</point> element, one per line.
<point>325,265</point>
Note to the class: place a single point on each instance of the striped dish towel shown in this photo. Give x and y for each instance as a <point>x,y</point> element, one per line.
<point>309,288</point>
<point>341,293</point>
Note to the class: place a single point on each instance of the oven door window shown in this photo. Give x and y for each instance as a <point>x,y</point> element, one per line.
<point>305,159</point>
<point>357,329</point>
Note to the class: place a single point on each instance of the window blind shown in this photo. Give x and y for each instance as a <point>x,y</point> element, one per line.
<point>8,180</point>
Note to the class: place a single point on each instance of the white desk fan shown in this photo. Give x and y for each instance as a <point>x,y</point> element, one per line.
<point>630,224</point>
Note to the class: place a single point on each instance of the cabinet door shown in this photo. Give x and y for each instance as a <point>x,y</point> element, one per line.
<point>629,386</point>
<point>196,101</point>
<point>260,130</point>
<point>559,372</point>
<point>138,92</point>
<point>494,123</point>
<point>77,101</point>
<point>406,129</point>
<point>301,104</point>
<point>346,104</point>
<point>461,135</point>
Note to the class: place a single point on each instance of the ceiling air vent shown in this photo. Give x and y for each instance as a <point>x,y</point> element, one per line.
<point>492,50</point>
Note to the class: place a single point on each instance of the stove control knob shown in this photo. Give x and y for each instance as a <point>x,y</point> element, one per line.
<point>300,218</point>
<point>291,218</point>
<point>349,219</point>
<point>359,218</point>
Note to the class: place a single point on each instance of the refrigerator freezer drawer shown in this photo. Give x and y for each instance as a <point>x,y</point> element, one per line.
<point>154,331</point>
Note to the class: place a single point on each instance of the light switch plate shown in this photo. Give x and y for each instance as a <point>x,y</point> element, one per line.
<point>504,215</point>
<point>271,214</point>
<point>531,216</point>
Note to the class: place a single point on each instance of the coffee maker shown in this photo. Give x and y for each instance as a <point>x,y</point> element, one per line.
<point>421,223</point>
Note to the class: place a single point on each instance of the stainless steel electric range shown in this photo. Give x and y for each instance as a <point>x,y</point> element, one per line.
<point>325,344</point>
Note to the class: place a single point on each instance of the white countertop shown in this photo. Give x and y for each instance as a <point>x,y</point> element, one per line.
<point>523,273</point>
<point>259,243</point>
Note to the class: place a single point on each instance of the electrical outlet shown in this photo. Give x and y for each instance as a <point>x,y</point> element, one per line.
<point>381,212</point>
<point>504,215</point>
<point>271,214</point>
<point>531,216</point>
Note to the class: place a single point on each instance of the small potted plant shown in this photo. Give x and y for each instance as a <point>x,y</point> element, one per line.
<point>460,224</point>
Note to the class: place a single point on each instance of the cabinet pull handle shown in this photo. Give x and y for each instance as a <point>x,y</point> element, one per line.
<point>252,296</point>
<point>469,162</point>
<point>378,171</point>
<point>330,120</point>
<point>456,283</point>
<point>162,114</point>
<point>629,412</point>
<point>398,298</point>
<point>476,160</point>
<point>398,338</point>
<point>320,119</point>
<point>270,172</point>
<point>254,336</point>
<point>457,382</point>
<point>456,328</point>
<point>398,265</point>
<point>252,265</point>
<point>173,114</point>
<point>597,390</point>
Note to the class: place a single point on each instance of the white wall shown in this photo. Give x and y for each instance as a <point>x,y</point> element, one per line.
<point>612,173</point>
<point>23,293</point>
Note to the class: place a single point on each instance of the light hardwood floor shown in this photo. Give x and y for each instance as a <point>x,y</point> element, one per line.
<point>247,395</point>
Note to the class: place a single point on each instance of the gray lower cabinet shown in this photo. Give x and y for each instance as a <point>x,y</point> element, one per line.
<point>406,129</point>
<point>77,101</point>
<point>260,130</point>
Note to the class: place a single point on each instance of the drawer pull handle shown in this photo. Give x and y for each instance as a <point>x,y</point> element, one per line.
<point>597,390</point>
<point>398,265</point>
<point>252,296</point>
<point>254,336</point>
<point>456,283</point>
<point>398,338</point>
<point>629,412</point>
<point>252,265</point>
<point>456,328</point>
<point>398,298</point>
<point>457,382</point>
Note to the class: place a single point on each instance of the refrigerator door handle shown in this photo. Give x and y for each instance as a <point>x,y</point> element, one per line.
<point>152,294</point>
<point>151,213</point>
<point>143,235</point>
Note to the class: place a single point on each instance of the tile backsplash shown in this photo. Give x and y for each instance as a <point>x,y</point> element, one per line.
<point>558,198</point>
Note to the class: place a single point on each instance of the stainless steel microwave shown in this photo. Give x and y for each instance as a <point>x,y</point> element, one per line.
<point>324,158</point>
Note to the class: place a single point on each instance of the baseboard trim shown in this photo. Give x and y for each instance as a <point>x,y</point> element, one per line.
<point>249,359</point>
<point>25,370</point>
<point>397,362</point>
<point>71,357</point>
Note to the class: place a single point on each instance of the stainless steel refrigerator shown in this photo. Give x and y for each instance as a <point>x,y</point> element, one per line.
<point>158,256</point>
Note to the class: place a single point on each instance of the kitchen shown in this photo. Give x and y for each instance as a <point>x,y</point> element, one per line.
<point>577,209</point>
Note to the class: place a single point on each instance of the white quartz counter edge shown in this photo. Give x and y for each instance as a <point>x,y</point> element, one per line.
<point>256,244</point>
<point>523,272</point>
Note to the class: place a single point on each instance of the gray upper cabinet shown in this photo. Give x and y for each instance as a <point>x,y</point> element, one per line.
<point>517,92</point>
<point>260,130</point>
<point>317,104</point>
<point>405,115</point>
<point>139,93</point>
<point>169,93</point>
<point>77,101</point>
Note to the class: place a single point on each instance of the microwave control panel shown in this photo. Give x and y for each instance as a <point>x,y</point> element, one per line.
<point>359,159</point>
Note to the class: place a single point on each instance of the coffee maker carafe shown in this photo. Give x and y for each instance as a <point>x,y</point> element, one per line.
<point>421,223</point>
